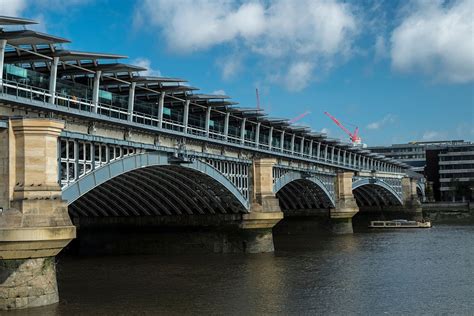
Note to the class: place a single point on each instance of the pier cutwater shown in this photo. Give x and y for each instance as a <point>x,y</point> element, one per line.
<point>87,140</point>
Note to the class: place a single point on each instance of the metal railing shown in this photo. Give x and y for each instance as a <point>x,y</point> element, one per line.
<point>21,90</point>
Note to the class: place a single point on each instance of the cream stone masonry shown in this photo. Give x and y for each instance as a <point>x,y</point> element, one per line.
<point>346,205</point>
<point>35,225</point>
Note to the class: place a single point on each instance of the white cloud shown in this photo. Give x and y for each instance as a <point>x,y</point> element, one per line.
<point>230,66</point>
<point>146,63</point>
<point>436,38</point>
<point>292,35</point>
<point>325,130</point>
<point>433,135</point>
<point>380,48</point>
<point>12,7</point>
<point>387,119</point>
<point>298,75</point>
<point>218,92</point>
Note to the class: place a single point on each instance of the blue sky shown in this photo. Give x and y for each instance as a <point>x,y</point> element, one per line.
<point>401,71</point>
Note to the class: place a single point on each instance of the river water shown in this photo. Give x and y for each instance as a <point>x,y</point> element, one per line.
<point>405,272</point>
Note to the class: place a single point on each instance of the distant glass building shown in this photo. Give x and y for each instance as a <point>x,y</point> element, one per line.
<point>447,165</point>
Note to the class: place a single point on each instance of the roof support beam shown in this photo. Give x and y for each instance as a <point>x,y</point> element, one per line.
<point>3,43</point>
<point>95,91</point>
<point>52,79</point>
<point>161,103</point>
<point>131,101</point>
<point>186,116</point>
<point>242,131</point>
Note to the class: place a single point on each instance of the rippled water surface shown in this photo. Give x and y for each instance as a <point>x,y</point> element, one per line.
<point>409,272</point>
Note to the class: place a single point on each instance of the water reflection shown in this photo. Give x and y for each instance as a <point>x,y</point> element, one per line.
<point>412,272</point>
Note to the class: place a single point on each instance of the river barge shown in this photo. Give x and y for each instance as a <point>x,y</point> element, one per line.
<point>400,223</point>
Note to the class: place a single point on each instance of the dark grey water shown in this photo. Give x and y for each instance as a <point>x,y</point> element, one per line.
<point>410,272</point>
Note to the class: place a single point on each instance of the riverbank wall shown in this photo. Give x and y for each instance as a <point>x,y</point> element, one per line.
<point>449,212</point>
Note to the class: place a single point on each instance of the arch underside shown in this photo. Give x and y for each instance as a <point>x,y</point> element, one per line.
<point>157,191</point>
<point>374,195</point>
<point>303,194</point>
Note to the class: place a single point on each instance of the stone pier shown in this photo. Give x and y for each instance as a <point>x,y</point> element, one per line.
<point>34,221</point>
<point>346,206</point>
<point>265,210</point>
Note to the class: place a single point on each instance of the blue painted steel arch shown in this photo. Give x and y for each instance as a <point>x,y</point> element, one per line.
<point>293,176</point>
<point>378,182</point>
<point>118,167</point>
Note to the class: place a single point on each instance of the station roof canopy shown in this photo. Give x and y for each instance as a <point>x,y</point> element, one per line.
<point>8,20</point>
<point>318,135</point>
<point>29,37</point>
<point>64,55</point>
<point>207,96</point>
<point>109,68</point>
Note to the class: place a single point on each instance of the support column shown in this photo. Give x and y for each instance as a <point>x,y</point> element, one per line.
<point>293,143</point>
<point>186,116</point>
<point>208,120</point>
<point>265,209</point>
<point>226,125</point>
<point>95,91</point>
<point>282,141</point>
<point>311,149</point>
<point>52,79</point>
<point>242,131</point>
<point>161,105</point>
<point>3,44</point>
<point>270,138</point>
<point>411,202</point>
<point>346,206</point>
<point>257,135</point>
<point>318,153</point>
<point>302,146</point>
<point>131,101</point>
<point>36,226</point>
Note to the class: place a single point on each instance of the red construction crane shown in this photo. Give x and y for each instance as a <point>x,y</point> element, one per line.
<point>354,137</point>
<point>299,117</point>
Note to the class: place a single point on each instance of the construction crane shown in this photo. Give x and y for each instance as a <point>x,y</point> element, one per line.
<point>299,117</point>
<point>354,137</point>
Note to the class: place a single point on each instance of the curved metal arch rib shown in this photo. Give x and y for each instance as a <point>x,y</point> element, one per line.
<point>293,176</point>
<point>421,187</point>
<point>380,183</point>
<point>109,171</point>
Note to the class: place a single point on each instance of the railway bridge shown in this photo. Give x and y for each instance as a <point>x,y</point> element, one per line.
<point>88,141</point>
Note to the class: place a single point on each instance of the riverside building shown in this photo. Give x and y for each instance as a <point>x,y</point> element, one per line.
<point>447,165</point>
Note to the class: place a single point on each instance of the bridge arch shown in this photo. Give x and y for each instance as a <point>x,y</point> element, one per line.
<point>375,192</point>
<point>148,184</point>
<point>298,192</point>
<point>420,191</point>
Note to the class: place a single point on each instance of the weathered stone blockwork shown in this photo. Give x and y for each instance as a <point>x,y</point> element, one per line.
<point>28,283</point>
